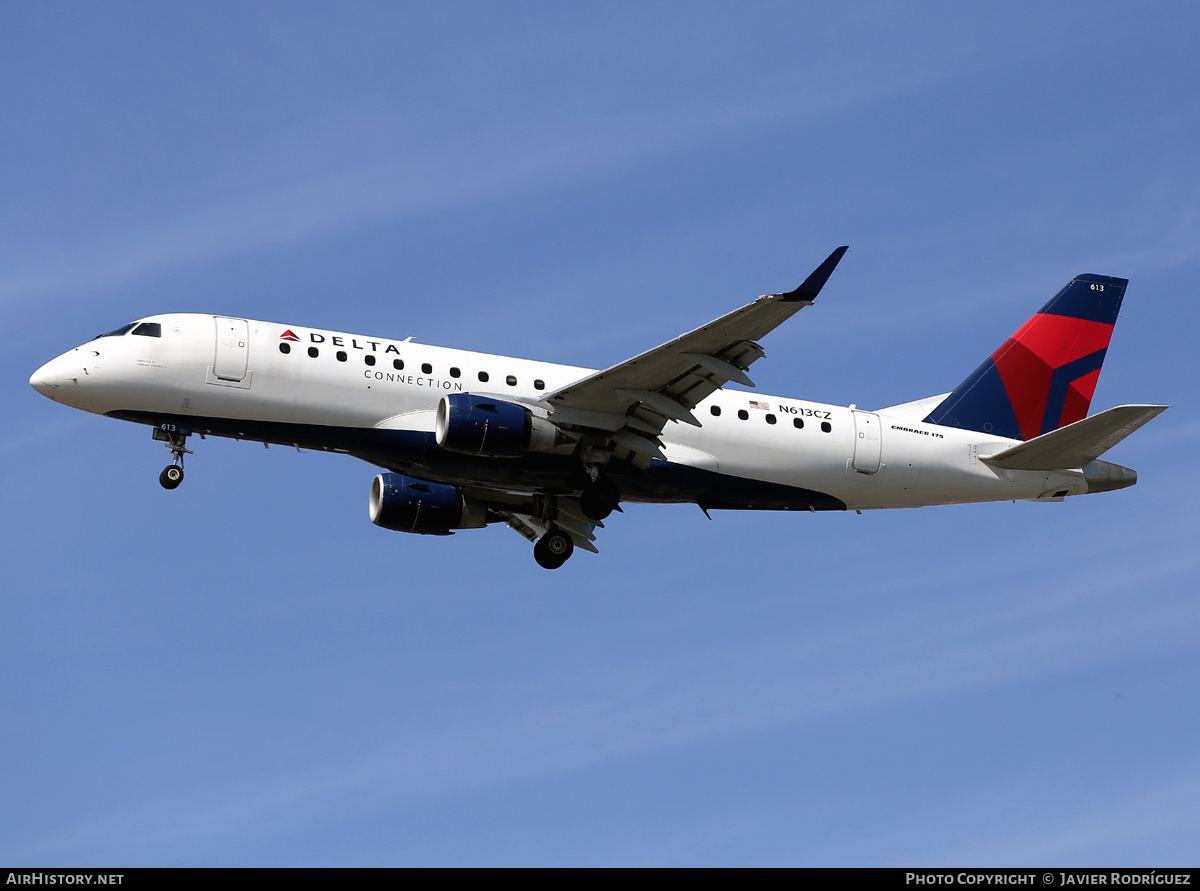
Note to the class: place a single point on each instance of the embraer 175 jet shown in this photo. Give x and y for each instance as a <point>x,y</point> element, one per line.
<point>470,438</point>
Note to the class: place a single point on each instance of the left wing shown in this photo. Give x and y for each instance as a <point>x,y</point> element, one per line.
<point>631,402</point>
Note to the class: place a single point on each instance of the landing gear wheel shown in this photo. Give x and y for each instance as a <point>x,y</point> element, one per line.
<point>599,499</point>
<point>553,549</point>
<point>174,436</point>
<point>171,476</point>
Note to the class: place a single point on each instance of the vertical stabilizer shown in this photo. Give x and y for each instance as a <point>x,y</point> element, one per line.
<point>1042,377</point>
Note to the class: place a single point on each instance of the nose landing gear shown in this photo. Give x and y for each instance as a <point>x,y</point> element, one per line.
<point>175,437</point>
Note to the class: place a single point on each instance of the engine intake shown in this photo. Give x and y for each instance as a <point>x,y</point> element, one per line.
<point>493,428</point>
<point>405,504</point>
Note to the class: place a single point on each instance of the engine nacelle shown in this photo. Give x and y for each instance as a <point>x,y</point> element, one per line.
<point>493,428</point>
<point>405,504</point>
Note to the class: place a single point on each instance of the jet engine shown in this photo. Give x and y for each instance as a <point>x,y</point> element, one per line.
<point>493,428</point>
<point>404,504</point>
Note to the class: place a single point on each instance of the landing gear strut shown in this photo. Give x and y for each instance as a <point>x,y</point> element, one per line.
<point>172,474</point>
<point>553,549</point>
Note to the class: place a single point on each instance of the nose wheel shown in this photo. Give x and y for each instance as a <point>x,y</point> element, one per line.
<point>172,474</point>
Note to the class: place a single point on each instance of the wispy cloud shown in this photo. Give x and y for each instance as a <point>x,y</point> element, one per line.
<point>529,732</point>
<point>424,175</point>
<point>1154,820</point>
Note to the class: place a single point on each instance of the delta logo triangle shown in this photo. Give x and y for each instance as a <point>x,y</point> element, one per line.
<point>288,335</point>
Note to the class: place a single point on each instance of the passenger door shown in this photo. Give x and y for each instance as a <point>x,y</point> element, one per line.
<point>233,347</point>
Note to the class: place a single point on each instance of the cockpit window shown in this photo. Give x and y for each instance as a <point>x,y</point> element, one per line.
<point>149,329</point>
<point>119,332</point>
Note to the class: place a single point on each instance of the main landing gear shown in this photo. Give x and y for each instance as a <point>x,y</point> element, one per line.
<point>172,474</point>
<point>553,549</point>
<point>600,498</point>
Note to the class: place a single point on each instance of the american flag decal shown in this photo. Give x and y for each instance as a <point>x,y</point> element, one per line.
<point>754,403</point>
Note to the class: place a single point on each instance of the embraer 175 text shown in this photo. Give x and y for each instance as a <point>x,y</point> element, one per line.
<point>469,438</point>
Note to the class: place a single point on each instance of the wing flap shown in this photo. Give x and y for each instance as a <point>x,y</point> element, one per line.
<point>569,517</point>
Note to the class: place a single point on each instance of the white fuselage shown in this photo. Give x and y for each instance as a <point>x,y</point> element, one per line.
<point>231,376</point>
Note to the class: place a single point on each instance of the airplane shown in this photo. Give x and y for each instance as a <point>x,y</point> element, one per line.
<point>467,439</point>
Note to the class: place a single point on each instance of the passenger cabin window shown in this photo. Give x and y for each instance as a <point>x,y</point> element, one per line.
<point>454,372</point>
<point>771,419</point>
<point>398,364</point>
<point>285,348</point>
<point>716,410</point>
<point>149,329</point>
<point>743,414</point>
<point>314,352</point>
<point>426,368</point>
<point>511,380</point>
<point>483,377</point>
<point>826,427</point>
<point>539,384</point>
<point>370,360</point>
<point>118,332</point>
<point>798,423</point>
<point>341,356</point>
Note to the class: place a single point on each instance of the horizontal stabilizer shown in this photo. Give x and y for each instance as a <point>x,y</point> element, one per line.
<point>1078,444</point>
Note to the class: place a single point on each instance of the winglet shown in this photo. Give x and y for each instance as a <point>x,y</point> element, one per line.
<point>812,285</point>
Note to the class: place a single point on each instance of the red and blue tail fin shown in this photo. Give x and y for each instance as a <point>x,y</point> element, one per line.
<point>1042,377</point>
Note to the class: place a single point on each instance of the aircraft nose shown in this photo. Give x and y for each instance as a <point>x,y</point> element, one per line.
<point>40,381</point>
<point>54,379</point>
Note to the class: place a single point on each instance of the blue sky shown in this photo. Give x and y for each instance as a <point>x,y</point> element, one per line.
<point>247,672</point>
